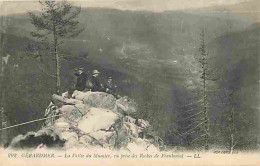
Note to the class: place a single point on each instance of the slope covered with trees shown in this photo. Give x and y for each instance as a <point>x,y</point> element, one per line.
<point>152,57</point>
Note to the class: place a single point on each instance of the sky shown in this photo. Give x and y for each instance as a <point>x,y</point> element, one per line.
<point>20,6</point>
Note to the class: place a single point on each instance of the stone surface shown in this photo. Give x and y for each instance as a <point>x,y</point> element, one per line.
<point>68,135</point>
<point>93,120</point>
<point>85,139</point>
<point>79,95</point>
<point>139,145</point>
<point>131,128</point>
<point>126,105</point>
<point>97,119</point>
<point>101,136</point>
<point>129,119</point>
<point>71,143</point>
<point>99,100</point>
<point>71,112</point>
<point>62,126</point>
<point>143,123</point>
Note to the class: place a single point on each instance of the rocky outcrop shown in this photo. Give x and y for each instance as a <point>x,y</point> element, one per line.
<point>95,119</point>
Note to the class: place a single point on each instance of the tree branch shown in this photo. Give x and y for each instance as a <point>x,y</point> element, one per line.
<point>187,132</point>
<point>193,115</point>
<point>193,103</point>
<point>190,110</point>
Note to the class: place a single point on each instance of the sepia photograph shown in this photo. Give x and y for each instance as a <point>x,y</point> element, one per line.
<point>130,82</point>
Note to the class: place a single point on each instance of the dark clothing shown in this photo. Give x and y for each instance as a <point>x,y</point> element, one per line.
<point>81,81</point>
<point>110,87</point>
<point>70,91</point>
<point>96,85</point>
<point>80,84</point>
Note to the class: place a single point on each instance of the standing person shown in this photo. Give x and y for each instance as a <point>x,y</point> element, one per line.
<point>81,81</point>
<point>96,83</point>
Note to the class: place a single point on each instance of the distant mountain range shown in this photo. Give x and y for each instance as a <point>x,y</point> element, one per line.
<point>140,41</point>
<point>139,49</point>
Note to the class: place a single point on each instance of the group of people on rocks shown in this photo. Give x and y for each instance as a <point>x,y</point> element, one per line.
<point>93,83</point>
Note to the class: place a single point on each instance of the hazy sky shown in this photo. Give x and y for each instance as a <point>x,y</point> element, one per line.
<point>20,6</point>
<point>157,5</point>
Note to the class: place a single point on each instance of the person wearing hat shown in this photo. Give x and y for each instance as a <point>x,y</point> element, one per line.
<point>95,82</point>
<point>81,81</point>
<point>110,87</point>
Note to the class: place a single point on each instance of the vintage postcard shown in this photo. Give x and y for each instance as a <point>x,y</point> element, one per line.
<point>130,82</point>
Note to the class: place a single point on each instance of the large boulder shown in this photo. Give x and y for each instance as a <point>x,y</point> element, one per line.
<point>126,106</point>
<point>97,99</point>
<point>97,119</point>
<point>79,95</point>
<point>91,120</point>
<point>71,113</point>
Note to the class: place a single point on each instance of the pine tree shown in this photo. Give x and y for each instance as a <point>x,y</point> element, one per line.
<point>56,22</point>
<point>196,112</point>
<point>204,67</point>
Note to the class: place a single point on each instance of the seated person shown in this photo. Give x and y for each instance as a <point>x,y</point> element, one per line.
<point>96,85</point>
<point>110,87</point>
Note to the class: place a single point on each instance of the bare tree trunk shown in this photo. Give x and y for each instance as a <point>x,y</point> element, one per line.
<point>58,80</point>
